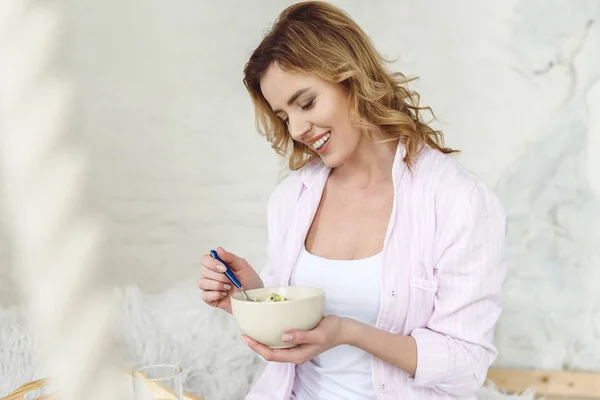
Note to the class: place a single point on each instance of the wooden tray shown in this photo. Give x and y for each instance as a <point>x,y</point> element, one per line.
<point>553,385</point>
<point>30,387</point>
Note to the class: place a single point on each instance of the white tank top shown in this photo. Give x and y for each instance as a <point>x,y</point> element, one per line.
<point>353,289</point>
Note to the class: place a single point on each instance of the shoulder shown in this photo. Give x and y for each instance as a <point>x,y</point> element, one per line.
<point>289,189</point>
<point>439,171</point>
<point>286,188</point>
<point>284,196</point>
<point>451,185</point>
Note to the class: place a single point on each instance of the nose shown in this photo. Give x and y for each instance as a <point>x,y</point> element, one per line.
<point>298,128</point>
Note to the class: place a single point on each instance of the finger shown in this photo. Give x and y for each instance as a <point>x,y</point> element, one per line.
<point>294,355</point>
<point>259,348</point>
<point>209,284</point>
<point>210,296</point>
<point>208,262</point>
<point>303,337</point>
<point>215,276</point>
<point>230,258</point>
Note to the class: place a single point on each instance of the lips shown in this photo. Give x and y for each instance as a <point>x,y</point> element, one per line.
<point>320,141</point>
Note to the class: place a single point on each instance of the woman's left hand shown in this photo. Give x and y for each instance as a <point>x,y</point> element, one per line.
<point>311,343</point>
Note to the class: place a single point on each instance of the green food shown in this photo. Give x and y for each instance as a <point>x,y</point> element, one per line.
<point>274,297</point>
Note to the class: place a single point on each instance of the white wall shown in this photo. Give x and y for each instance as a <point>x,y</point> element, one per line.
<point>177,168</point>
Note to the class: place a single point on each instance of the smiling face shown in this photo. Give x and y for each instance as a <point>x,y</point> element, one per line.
<point>316,113</point>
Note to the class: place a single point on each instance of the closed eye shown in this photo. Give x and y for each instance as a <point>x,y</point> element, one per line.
<point>308,105</point>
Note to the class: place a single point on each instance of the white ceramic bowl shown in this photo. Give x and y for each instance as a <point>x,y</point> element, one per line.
<point>265,322</point>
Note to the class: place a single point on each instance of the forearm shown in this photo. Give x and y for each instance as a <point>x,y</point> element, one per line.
<point>397,350</point>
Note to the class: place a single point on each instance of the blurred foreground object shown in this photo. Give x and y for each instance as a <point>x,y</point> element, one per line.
<point>54,238</point>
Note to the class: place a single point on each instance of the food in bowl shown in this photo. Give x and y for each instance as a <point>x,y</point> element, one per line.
<point>297,307</point>
<point>273,298</point>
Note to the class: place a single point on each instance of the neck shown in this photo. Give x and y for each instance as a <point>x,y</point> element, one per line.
<point>371,164</point>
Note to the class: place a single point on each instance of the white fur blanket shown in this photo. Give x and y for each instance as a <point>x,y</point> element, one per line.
<point>172,327</point>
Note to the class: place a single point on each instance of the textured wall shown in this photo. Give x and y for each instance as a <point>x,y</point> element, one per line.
<point>552,316</point>
<point>169,130</point>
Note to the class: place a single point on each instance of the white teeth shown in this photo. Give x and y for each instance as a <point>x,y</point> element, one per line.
<point>319,143</point>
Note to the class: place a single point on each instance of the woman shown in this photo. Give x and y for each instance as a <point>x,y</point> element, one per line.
<point>408,246</point>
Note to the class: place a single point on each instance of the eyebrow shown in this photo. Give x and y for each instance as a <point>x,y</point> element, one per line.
<point>293,98</point>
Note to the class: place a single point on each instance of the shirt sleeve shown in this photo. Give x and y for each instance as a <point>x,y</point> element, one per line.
<point>268,272</point>
<point>455,349</point>
<point>280,207</point>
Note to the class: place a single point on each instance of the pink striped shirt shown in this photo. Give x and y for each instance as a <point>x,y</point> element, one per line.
<point>444,266</point>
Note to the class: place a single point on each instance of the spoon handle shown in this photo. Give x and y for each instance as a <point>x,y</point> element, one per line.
<point>228,273</point>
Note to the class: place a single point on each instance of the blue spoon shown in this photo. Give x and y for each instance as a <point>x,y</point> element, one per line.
<point>230,275</point>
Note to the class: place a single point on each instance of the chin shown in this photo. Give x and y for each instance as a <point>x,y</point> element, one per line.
<point>332,161</point>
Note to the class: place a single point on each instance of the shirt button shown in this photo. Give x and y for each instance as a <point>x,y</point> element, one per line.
<point>383,386</point>
<point>393,293</point>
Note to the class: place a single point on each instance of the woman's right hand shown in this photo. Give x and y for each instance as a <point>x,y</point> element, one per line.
<point>217,289</point>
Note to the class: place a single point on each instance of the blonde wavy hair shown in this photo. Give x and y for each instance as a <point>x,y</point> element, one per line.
<point>319,38</point>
